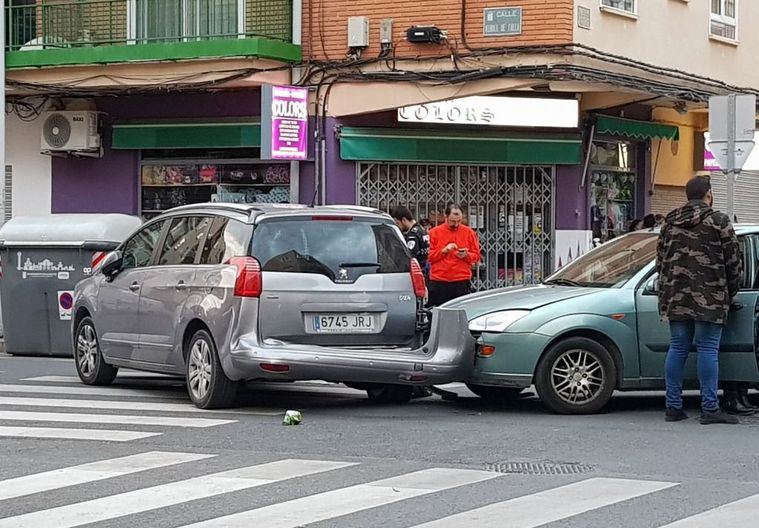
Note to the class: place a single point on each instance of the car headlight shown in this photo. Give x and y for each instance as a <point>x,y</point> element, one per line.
<point>496,321</point>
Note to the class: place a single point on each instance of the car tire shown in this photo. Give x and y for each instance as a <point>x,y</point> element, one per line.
<point>88,358</point>
<point>390,394</point>
<point>495,394</point>
<point>207,384</point>
<point>577,375</point>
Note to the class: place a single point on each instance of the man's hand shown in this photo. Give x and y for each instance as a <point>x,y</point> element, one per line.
<point>462,253</point>
<point>450,247</point>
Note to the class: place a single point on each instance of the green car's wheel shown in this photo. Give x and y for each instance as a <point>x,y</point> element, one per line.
<point>495,394</point>
<point>576,376</point>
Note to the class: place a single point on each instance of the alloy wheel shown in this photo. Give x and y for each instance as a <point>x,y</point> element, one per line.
<point>577,376</point>
<point>200,369</point>
<point>87,350</point>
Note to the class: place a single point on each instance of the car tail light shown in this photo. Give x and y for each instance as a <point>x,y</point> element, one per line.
<point>417,279</point>
<point>249,281</point>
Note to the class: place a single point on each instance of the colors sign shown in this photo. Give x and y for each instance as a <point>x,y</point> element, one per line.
<point>284,122</point>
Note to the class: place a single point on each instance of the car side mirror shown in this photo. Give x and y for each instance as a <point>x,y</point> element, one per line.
<point>112,264</point>
<point>652,286</point>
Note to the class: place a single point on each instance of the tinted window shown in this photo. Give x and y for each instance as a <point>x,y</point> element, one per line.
<point>341,250</point>
<point>183,240</point>
<point>138,251</point>
<point>226,239</point>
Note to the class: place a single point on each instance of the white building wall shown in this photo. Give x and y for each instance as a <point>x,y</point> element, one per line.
<point>31,171</point>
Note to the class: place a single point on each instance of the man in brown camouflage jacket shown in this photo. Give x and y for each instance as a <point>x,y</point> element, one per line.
<point>700,268</point>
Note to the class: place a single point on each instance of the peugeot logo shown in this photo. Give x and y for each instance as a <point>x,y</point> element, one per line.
<point>343,274</point>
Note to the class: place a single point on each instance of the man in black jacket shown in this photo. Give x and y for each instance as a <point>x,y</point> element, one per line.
<point>700,270</point>
<point>417,239</point>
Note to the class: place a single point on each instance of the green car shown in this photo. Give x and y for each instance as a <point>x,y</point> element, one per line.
<point>594,327</point>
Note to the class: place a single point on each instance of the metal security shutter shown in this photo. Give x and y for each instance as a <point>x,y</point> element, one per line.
<point>746,195</point>
<point>510,207</point>
<point>666,198</point>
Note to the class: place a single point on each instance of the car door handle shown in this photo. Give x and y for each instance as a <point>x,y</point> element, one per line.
<point>134,287</point>
<point>181,286</point>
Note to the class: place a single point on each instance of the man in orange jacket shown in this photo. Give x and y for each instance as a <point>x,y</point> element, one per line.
<point>454,248</point>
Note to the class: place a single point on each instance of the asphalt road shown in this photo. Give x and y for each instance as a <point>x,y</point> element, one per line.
<point>430,463</point>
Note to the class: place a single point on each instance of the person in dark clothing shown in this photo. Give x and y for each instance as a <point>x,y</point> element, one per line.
<point>649,221</point>
<point>417,239</point>
<point>700,269</point>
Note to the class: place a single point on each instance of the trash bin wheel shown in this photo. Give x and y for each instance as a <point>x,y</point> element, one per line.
<point>90,365</point>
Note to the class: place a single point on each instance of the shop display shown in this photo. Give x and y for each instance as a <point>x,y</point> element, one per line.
<point>165,186</point>
<point>612,189</point>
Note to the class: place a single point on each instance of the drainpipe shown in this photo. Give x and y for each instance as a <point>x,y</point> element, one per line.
<point>2,102</point>
<point>295,75</point>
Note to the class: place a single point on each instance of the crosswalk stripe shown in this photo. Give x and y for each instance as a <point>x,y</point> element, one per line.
<point>92,391</point>
<point>552,505</point>
<point>107,435</point>
<point>169,421</point>
<point>121,405</point>
<point>738,514</point>
<point>92,472</point>
<point>165,495</point>
<point>324,506</point>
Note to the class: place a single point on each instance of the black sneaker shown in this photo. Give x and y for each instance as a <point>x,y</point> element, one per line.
<point>718,417</point>
<point>675,415</point>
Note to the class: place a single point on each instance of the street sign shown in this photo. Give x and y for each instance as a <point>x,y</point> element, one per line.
<point>732,123</point>
<point>502,21</point>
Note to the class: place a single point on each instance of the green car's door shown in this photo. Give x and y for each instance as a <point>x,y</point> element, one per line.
<point>739,340</point>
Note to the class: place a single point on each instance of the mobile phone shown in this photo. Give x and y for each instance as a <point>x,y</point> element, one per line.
<point>462,250</point>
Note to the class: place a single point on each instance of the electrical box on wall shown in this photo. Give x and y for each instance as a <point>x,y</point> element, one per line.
<point>386,31</point>
<point>358,32</point>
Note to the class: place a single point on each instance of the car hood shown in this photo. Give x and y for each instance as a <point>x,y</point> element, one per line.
<point>516,298</point>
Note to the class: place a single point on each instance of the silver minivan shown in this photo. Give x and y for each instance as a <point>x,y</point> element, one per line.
<point>225,293</point>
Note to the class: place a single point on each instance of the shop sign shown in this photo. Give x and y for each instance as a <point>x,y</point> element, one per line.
<point>496,111</point>
<point>502,21</point>
<point>284,122</point>
<point>711,163</point>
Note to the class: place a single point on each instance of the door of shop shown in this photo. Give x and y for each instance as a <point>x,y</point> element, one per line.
<point>510,207</point>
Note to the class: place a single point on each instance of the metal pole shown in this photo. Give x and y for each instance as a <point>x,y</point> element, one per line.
<point>2,105</point>
<point>730,169</point>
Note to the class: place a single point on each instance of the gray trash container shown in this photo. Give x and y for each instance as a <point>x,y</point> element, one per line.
<point>42,258</point>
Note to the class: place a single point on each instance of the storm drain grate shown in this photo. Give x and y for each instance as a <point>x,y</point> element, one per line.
<point>539,468</point>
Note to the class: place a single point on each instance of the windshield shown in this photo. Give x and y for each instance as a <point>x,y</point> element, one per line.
<point>611,265</point>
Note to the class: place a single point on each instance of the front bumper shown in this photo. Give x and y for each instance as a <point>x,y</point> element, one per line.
<point>447,356</point>
<point>514,361</point>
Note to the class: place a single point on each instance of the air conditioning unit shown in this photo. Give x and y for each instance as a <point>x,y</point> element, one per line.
<point>69,131</point>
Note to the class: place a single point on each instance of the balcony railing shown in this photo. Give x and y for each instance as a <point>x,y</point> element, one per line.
<point>55,24</point>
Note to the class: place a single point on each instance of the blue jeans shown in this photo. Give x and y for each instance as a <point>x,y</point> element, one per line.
<point>707,337</point>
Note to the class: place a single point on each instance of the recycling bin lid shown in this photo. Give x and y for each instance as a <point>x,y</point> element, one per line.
<point>68,230</point>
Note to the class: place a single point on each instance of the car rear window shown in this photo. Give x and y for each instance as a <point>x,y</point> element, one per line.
<point>342,250</point>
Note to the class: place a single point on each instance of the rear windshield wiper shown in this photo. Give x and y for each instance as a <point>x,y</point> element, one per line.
<point>563,282</point>
<point>360,265</point>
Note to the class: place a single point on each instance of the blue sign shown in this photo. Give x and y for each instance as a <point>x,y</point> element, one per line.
<point>502,21</point>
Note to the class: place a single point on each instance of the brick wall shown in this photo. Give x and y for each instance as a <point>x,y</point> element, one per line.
<point>325,24</point>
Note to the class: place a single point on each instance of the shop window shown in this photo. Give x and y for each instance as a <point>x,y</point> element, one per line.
<point>182,20</point>
<point>612,189</point>
<point>724,19</point>
<point>168,183</point>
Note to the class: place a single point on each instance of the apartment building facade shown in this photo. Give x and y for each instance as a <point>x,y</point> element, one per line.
<point>553,122</point>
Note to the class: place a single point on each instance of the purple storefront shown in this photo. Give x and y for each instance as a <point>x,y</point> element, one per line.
<point>161,151</point>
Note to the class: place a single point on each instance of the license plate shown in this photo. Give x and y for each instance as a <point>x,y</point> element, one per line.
<point>343,323</point>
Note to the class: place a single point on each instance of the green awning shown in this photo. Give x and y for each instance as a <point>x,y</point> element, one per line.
<point>386,144</point>
<point>186,135</point>
<point>630,128</point>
